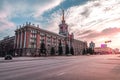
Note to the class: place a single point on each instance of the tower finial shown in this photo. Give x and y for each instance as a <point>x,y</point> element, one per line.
<point>63,20</point>
<point>63,15</point>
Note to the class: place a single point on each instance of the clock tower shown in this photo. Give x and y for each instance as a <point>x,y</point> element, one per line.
<point>63,27</point>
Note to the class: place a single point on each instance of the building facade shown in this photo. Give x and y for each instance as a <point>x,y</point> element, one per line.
<point>92,45</point>
<point>104,50</point>
<point>7,46</point>
<point>28,40</point>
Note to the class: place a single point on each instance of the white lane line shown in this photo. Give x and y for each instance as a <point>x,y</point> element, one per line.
<point>61,73</point>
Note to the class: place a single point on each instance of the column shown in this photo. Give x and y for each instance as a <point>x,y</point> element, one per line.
<point>17,39</point>
<point>24,40</point>
<point>27,39</point>
<point>21,39</point>
<point>23,34</point>
<point>51,41</point>
<point>38,40</point>
<point>45,40</point>
<point>56,43</point>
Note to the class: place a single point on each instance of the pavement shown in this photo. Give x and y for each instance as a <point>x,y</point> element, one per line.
<point>92,67</point>
<point>16,59</point>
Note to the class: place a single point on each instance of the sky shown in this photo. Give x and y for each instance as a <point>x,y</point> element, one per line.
<point>89,20</point>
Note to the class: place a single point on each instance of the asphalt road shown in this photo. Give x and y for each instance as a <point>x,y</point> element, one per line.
<point>95,67</point>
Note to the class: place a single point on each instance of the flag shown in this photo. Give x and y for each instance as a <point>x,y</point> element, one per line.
<point>108,41</point>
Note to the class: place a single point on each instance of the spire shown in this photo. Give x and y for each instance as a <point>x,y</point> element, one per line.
<point>63,20</point>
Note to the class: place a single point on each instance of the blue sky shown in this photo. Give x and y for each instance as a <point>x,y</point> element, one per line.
<point>89,20</point>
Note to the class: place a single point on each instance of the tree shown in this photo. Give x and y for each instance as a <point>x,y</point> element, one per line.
<point>1,49</point>
<point>84,51</point>
<point>90,51</point>
<point>52,51</point>
<point>67,49</point>
<point>43,48</point>
<point>71,50</point>
<point>60,50</point>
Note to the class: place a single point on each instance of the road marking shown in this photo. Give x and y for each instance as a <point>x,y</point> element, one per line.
<point>61,73</point>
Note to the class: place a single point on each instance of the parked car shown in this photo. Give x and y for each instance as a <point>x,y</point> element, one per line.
<point>8,57</point>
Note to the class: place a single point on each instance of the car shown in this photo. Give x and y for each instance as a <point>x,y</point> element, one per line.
<point>8,57</point>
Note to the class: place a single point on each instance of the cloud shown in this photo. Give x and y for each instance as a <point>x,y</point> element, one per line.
<point>6,28</point>
<point>108,32</point>
<point>98,16</point>
<point>85,12</point>
<point>112,34</point>
<point>26,8</point>
<point>96,20</point>
<point>22,10</point>
<point>47,6</point>
<point>6,25</point>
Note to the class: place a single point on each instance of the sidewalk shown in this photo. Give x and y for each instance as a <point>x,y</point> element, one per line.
<point>16,59</point>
